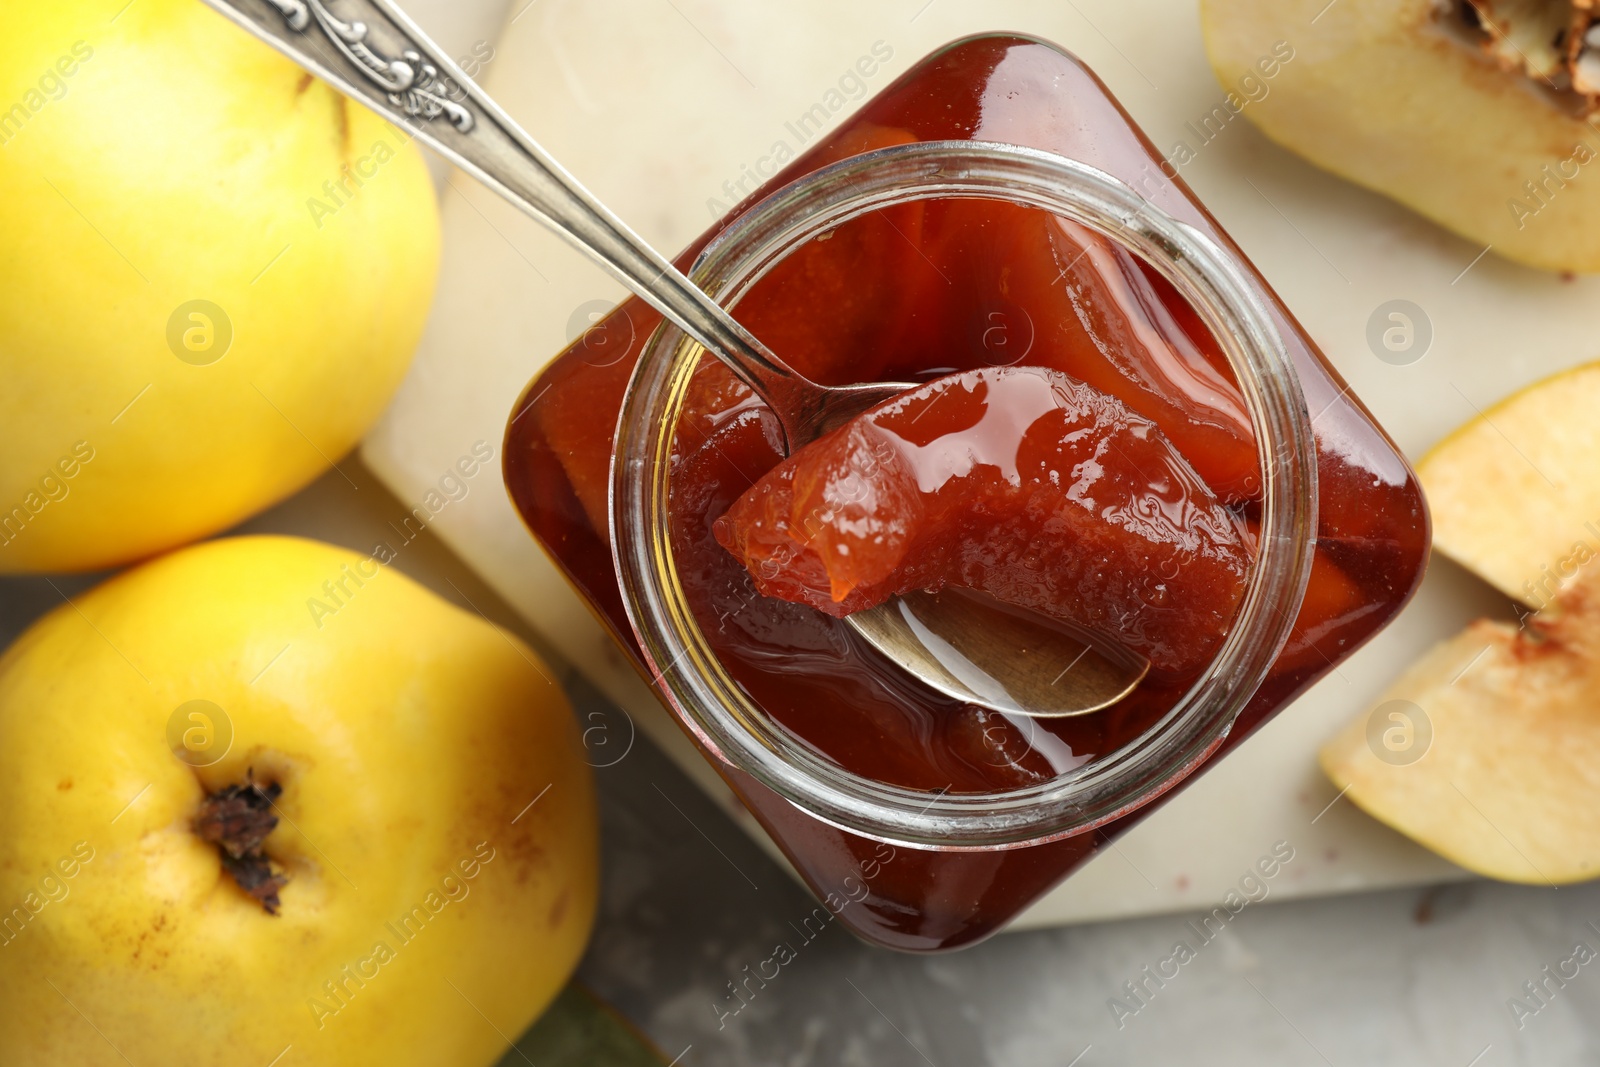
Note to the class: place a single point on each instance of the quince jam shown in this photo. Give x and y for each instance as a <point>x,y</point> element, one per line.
<point>1076,444</point>
<point>1020,482</point>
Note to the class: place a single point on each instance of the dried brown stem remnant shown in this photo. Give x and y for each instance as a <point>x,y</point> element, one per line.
<point>237,819</point>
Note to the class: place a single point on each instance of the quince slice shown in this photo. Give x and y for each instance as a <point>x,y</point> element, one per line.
<point>1487,750</point>
<point>1515,492</point>
<point>1480,115</point>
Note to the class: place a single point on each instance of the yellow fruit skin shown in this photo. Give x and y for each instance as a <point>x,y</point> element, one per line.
<point>1377,94</point>
<point>409,737</point>
<point>180,163</point>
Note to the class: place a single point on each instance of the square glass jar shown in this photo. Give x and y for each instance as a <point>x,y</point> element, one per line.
<point>841,791</point>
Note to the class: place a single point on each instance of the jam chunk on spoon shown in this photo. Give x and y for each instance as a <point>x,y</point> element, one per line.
<point>1019,482</point>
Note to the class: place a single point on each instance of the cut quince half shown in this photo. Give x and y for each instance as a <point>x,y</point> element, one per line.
<point>1487,750</point>
<point>1482,115</point>
<point>1515,492</point>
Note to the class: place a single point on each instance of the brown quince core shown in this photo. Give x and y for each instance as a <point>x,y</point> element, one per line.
<point>237,819</point>
<point>1555,43</point>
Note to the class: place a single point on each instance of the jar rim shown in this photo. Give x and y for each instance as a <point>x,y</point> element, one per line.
<point>1234,305</point>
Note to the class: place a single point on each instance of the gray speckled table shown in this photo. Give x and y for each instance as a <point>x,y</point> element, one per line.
<point>690,902</point>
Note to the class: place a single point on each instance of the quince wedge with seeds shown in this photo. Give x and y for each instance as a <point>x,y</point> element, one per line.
<point>1481,115</point>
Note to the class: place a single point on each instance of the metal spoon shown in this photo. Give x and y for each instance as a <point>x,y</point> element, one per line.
<point>376,55</point>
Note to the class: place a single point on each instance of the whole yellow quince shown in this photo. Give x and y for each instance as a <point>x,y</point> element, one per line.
<point>213,273</point>
<point>263,800</point>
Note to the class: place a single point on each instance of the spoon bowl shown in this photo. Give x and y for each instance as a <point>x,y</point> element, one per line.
<point>977,649</point>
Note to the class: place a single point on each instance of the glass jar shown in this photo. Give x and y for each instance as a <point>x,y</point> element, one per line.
<point>899,855</point>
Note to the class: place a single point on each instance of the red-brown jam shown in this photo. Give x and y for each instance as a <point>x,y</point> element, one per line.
<point>1020,482</point>
<point>1082,373</point>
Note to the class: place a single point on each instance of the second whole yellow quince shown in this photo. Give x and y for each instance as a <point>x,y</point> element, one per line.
<point>414,820</point>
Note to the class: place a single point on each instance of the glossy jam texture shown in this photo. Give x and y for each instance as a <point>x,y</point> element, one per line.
<point>1020,482</point>
<point>919,292</point>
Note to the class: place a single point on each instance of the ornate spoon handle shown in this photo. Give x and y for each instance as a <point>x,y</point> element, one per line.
<point>371,51</point>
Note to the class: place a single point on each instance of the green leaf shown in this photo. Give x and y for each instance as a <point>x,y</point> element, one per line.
<point>581,1030</point>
